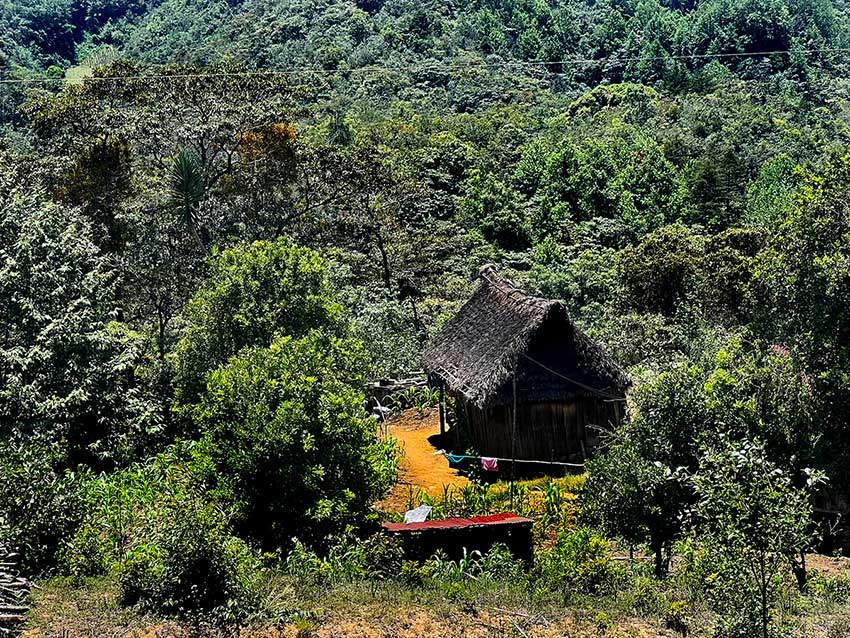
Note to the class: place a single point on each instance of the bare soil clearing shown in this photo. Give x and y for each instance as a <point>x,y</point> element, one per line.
<point>828,566</point>
<point>421,468</point>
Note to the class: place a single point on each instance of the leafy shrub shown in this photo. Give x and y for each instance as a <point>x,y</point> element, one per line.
<point>722,585</point>
<point>835,589</point>
<point>168,544</point>
<point>676,617</point>
<point>347,559</point>
<point>578,562</point>
<point>191,563</point>
<point>474,571</point>
<point>411,573</point>
<point>648,598</point>
<point>40,506</point>
<point>254,292</point>
<point>734,599</point>
<point>286,440</point>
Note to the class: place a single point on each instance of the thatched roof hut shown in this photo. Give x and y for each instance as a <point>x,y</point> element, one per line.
<point>505,348</point>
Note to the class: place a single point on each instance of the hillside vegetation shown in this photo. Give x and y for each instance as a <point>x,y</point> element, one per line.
<point>218,220</point>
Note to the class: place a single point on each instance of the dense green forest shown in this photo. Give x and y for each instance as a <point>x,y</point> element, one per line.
<point>219,219</point>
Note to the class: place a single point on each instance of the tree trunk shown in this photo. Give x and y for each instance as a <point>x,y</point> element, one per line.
<point>198,239</point>
<point>798,567</point>
<point>385,261</point>
<point>763,588</point>
<point>420,327</point>
<point>659,560</point>
<point>161,325</point>
<point>442,409</point>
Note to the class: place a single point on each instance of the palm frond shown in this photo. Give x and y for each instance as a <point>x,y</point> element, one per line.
<point>186,184</point>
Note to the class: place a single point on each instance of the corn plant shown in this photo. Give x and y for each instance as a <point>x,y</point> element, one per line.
<point>425,400</point>
<point>422,400</point>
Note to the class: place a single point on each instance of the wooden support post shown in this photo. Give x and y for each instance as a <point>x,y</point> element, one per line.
<point>513,439</point>
<point>442,409</point>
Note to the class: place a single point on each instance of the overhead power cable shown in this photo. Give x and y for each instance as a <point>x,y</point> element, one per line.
<point>377,69</point>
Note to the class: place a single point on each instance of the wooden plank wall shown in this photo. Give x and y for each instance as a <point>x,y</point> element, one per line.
<point>544,431</point>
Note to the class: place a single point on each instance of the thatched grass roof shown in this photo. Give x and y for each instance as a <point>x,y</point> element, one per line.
<point>476,352</point>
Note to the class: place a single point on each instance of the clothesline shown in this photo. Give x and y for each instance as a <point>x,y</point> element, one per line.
<point>457,458</point>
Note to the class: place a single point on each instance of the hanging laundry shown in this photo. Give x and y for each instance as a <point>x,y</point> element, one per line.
<point>454,459</point>
<point>490,464</point>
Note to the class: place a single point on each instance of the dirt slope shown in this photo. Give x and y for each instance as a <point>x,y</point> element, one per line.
<point>421,468</point>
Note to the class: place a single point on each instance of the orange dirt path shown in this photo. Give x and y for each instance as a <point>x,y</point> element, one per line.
<point>420,467</point>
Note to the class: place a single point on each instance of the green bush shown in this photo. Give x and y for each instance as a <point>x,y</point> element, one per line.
<point>725,587</point>
<point>648,597</point>
<point>287,441</point>
<point>40,506</point>
<point>579,562</point>
<point>835,589</point>
<point>254,292</point>
<point>168,544</point>
<point>752,518</point>
<point>676,616</point>
<point>347,559</point>
<point>191,563</point>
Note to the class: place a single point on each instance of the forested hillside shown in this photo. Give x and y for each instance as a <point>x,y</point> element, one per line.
<point>646,41</point>
<point>219,219</point>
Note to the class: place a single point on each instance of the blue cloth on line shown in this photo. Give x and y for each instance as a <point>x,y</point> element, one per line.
<point>455,458</point>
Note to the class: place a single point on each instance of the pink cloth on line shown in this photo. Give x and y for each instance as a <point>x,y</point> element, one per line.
<point>490,464</point>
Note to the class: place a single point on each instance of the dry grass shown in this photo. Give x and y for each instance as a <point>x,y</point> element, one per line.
<point>390,610</point>
<point>91,611</point>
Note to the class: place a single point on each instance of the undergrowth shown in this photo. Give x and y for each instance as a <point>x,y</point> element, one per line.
<point>578,576</point>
